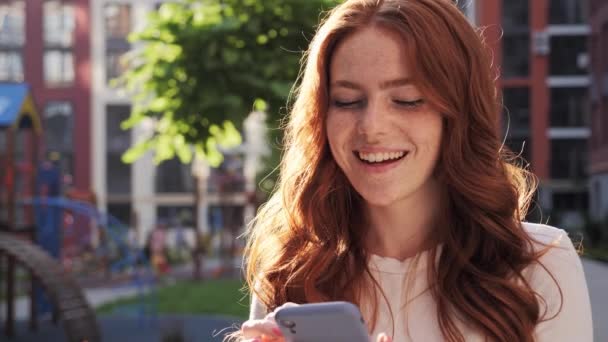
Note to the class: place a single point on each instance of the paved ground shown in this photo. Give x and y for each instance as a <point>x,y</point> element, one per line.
<point>597,281</point>
<point>128,329</point>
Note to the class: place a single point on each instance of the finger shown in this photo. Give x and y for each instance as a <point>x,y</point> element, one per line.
<point>271,315</point>
<point>383,338</point>
<point>264,338</point>
<point>260,327</point>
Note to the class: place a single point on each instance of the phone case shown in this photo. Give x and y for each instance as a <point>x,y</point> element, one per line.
<point>322,322</point>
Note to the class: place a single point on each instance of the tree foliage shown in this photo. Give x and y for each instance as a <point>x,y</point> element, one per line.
<point>199,67</point>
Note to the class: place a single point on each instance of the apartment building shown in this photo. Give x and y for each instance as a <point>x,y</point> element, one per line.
<point>541,50</point>
<point>599,109</point>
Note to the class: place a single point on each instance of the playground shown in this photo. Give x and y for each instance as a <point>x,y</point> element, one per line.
<point>58,252</point>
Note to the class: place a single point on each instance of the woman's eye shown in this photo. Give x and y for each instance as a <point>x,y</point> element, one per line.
<point>347,104</point>
<point>409,104</point>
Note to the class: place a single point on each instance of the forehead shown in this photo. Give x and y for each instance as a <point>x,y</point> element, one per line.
<point>370,54</point>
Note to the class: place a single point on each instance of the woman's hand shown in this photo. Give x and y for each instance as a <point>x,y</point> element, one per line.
<point>264,330</point>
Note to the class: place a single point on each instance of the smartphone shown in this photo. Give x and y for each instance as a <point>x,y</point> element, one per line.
<point>322,322</point>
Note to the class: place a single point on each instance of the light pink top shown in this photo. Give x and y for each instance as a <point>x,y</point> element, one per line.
<point>414,311</point>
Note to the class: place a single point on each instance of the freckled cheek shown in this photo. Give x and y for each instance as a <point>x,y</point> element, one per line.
<point>433,147</point>
<point>338,137</point>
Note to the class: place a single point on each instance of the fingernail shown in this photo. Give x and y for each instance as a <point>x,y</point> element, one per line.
<point>277,331</point>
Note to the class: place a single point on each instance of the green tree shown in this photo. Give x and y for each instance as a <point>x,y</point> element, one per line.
<point>199,67</point>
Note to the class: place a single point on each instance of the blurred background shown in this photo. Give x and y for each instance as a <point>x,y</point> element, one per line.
<point>137,136</point>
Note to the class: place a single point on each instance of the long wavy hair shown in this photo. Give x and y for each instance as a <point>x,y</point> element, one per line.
<point>305,244</point>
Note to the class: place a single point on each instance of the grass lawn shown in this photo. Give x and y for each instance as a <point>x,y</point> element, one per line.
<point>598,253</point>
<point>214,297</point>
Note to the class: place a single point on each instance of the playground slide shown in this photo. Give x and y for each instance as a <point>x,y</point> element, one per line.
<point>78,318</point>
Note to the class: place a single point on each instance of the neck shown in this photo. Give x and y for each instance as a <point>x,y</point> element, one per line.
<point>404,228</point>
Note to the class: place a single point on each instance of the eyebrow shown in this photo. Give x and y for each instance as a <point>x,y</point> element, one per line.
<point>386,84</point>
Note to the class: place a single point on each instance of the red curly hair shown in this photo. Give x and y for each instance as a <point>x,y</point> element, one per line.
<point>305,244</point>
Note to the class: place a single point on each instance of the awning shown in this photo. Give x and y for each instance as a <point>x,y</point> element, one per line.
<point>17,109</point>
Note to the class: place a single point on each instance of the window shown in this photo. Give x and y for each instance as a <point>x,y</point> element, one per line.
<point>11,66</point>
<point>516,39</point>
<point>569,107</point>
<point>121,211</point>
<point>516,111</point>
<point>12,38</point>
<point>58,67</point>
<point>117,28</point>
<point>569,159</point>
<point>516,115</point>
<point>118,140</point>
<point>59,27</point>
<point>117,20</point>
<point>568,12</point>
<point>12,23</point>
<point>58,132</point>
<point>59,24</point>
<point>570,201</point>
<point>514,14</point>
<point>568,55</point>
<point>516,55</point>
<point>115,64</point>
<point>118,174</point>
<point>520,146</point>
<point>174,176</point>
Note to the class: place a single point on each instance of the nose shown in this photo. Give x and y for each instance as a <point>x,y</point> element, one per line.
<point>371,121</point>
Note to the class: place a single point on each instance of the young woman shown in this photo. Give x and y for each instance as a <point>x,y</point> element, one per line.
<point>396,193</point>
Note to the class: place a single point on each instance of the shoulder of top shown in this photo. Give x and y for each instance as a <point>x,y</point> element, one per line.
<point>544,235</point>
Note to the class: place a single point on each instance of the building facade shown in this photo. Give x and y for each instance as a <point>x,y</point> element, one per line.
<point>540,50</point>
<point>46,43</point>
<point>599,110</point>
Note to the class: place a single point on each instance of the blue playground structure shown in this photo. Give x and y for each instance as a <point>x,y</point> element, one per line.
<point>127,258</point>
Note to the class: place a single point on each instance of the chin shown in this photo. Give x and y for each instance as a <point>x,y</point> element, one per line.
<point>378,199</point>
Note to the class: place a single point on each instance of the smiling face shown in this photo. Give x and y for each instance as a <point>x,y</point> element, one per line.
<point>382,133</point>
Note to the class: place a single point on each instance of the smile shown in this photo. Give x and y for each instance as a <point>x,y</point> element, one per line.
<point>380,157</point>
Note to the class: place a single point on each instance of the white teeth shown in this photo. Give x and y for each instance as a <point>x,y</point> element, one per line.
<point>380,157</point>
